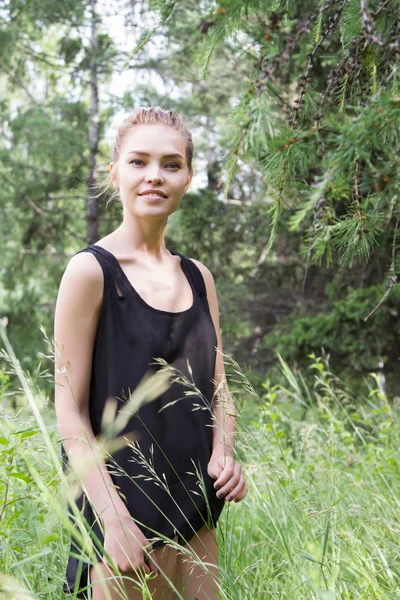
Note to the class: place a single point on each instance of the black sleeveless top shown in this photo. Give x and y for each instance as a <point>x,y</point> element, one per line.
<point>162,474</point>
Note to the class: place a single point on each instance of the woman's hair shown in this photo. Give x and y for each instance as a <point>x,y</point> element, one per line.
<point>147,116</point>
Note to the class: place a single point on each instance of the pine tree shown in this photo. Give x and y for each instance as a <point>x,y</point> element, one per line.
<point>319,118</point>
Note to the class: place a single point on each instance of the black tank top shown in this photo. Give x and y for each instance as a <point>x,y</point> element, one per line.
<point>162,477</point>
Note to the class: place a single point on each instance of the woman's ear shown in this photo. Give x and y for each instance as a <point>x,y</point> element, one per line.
<point>189,182</point>
<point>114,178</point>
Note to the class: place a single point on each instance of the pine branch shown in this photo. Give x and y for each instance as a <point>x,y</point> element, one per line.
<point>392,276</point>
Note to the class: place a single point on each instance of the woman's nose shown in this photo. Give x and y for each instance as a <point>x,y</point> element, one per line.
<point>154,174</point>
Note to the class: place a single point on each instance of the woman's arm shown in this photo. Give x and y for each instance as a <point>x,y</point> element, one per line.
<point>77,314</point>
<point>224,409</point>
<point>78,309</point>
<point>222,465</point>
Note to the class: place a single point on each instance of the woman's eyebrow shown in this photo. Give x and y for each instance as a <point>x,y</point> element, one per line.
<point>175,155</point>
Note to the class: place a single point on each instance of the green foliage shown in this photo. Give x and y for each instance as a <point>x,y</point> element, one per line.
<point>321,513</point>
<point>319,520</point>
<point>30,532</point>
<point>342,331</point>
<point>69,47</point>
<point>299,154</point>
<point>201,227</point>
<point>353,56</point>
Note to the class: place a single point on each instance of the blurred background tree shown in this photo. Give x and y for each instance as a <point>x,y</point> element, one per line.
<point>295,112</point>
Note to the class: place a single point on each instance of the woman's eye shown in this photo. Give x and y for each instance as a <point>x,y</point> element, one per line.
<point>175,165</point>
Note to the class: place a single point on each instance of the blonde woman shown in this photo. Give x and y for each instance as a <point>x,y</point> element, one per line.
<point>123,302</point>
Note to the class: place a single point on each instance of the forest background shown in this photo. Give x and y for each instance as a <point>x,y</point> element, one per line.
<point>294,207</point>
<point>294,109</point>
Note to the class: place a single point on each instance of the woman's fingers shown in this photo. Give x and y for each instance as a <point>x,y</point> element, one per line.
<point>226,475</point>
<point>137,561</point>
<point>240,493</point>
<point>129,568</point>
<point>234,493</point>
<point>149,560</point>
<point>231,480</point>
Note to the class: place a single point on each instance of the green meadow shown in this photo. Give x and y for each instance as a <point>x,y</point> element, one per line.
<point>320,520</point>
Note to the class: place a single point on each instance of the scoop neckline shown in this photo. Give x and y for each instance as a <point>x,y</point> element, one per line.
<point>139,297</point>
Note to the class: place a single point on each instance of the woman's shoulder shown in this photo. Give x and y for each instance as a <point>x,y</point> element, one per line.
<point>85,264</point>
<point>83,273</point>
<point>207,276</point>
<point>204,270</point>
<point>211,294</point>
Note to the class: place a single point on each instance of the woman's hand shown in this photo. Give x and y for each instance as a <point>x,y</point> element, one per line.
<point>125,543</point>
<point>230,479</point>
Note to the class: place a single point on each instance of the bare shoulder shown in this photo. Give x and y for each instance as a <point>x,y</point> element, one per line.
<point>76,319</point>
<point>84,264</point>
<point>205,271</point>
<point>81,285</point>
<point>213,305</point>
<point>83,270</point>
<point>210,289</point>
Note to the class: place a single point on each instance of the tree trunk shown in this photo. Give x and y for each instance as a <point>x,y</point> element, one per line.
<point>92,206</point>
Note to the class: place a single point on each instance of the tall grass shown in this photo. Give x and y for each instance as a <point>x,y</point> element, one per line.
<point>320,520</point>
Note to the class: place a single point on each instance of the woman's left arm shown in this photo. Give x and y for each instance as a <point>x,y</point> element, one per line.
<point>222,466</point>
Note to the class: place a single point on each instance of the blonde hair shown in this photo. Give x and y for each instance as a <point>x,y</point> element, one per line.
<point>148,116</point>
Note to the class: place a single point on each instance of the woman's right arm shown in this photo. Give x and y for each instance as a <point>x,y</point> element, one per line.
<point>77,314</point>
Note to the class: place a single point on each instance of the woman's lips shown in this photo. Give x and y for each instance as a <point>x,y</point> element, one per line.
<point>154,198</point>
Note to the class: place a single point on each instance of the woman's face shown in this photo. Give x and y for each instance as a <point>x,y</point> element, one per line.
<point>151,157</point>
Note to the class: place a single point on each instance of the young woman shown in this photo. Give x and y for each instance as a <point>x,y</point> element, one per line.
<point>123,302</point>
